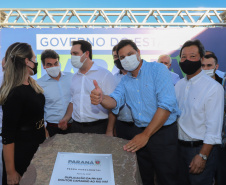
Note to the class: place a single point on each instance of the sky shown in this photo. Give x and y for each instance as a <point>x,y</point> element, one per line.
<point>112,4</point>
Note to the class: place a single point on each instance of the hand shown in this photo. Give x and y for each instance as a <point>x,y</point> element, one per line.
<point>96,95</point>
<point>138,142</point>
<point>13,178</point>
<point>63,124</point>
<point>197,165</point>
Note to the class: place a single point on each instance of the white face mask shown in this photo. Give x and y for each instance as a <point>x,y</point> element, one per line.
<point>53,71</point>
<point>76,61</point>
<point>210,72</point>
<point>130,63</point>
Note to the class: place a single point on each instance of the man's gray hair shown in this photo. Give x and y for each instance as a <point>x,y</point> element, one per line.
<point>165,55</point>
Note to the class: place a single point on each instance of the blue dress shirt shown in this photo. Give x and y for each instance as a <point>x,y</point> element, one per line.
<point>57,95</point>
<point>150,90</point>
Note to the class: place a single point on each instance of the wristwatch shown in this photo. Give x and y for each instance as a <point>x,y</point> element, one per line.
<point>204,157</point>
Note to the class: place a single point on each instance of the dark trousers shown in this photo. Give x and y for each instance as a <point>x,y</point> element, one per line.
<point>53,129</point>
<point>221,166</point>
<point>97,127</point>
<point>159,155</point>
<point>123,129</point>
<point>186,154</point>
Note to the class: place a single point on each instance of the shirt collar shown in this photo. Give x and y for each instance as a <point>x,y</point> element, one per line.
<point>47,77</point>
<point>93,68</point>
<point>196,77</point>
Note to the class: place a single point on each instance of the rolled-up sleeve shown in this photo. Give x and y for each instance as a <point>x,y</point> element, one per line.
<point>165,89</point>
<point>119,96</point>
<point>214,106</point>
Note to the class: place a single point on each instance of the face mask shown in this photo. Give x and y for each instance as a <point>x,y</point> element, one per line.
<point>76,61</point>
<point>210,72</point>
<point>35,67</point>
<point>118,64</point>
<point>53,71</point>
<point>190,67</point>
<point>130,63</point>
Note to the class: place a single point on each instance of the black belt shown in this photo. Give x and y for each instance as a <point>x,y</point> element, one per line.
<point>163,127</point>
<point>190,143</point>
<point>55,124</point>
<point>128,123</point>
<point>89,124</point>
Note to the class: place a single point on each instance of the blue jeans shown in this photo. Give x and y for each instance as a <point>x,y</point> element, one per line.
<point>186,154</point>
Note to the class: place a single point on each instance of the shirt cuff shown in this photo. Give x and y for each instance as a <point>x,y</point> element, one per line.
<point>212,140</point>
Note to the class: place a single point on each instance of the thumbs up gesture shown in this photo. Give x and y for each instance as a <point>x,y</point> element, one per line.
<point>96,95</point>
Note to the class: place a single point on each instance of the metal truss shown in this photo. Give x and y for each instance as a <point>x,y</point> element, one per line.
<point>112,17</point>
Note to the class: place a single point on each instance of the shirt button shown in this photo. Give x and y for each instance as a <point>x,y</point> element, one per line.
<point>139,113</point>
<point>139,102</point>
<point>137,90</point>
<point>136,79</point>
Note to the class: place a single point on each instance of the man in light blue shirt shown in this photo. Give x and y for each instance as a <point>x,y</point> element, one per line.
<point>56,86</point>
<point>149,92</point>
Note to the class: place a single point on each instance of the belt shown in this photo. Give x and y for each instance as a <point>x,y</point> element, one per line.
<point>37,126</point>
<point>128,123</point>
<point>163,127</point>
<point>190,143</point>
<point>55,124</point>
<point>89,124</point>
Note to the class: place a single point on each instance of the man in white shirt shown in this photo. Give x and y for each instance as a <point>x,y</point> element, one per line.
<point>56,86</point>
<point>87,118</point>
<point>167,61</point>
<point>201,101</point>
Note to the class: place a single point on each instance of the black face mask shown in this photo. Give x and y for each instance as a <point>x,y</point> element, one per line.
<point>190,67</point>
<point>118,64</point>
<point>35,68</point>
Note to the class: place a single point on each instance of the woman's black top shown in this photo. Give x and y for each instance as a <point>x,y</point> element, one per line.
<point>22,113</point>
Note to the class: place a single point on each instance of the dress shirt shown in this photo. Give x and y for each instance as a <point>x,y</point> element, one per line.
<point>150,90</point>
<point>57,95</point>
<point>201,101</point>
<point>175,77</point>
<point>81,87</point>
<point>125,112</point>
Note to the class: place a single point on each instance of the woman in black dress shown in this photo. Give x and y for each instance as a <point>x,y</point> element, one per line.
<point>22,102</point>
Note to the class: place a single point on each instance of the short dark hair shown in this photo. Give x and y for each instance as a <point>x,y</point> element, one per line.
<point>212,56</point>
<point>85,46</point>
<point>194,43</point>
<point>211,52</point>
<point>126,42</point>
<point>114,48</point>
<point>49,53</point>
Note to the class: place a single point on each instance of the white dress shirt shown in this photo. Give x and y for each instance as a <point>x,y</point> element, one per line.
<point>81,87</point>
<point>201,101</point>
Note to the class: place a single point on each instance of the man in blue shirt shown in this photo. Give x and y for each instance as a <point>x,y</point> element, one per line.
<point>56,86</point>
<point>149,92</point>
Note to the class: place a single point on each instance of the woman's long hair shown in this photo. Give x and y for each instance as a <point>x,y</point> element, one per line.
<point>16,69</point>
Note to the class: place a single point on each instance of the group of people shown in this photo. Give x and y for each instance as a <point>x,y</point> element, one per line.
<point>174,125</point>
